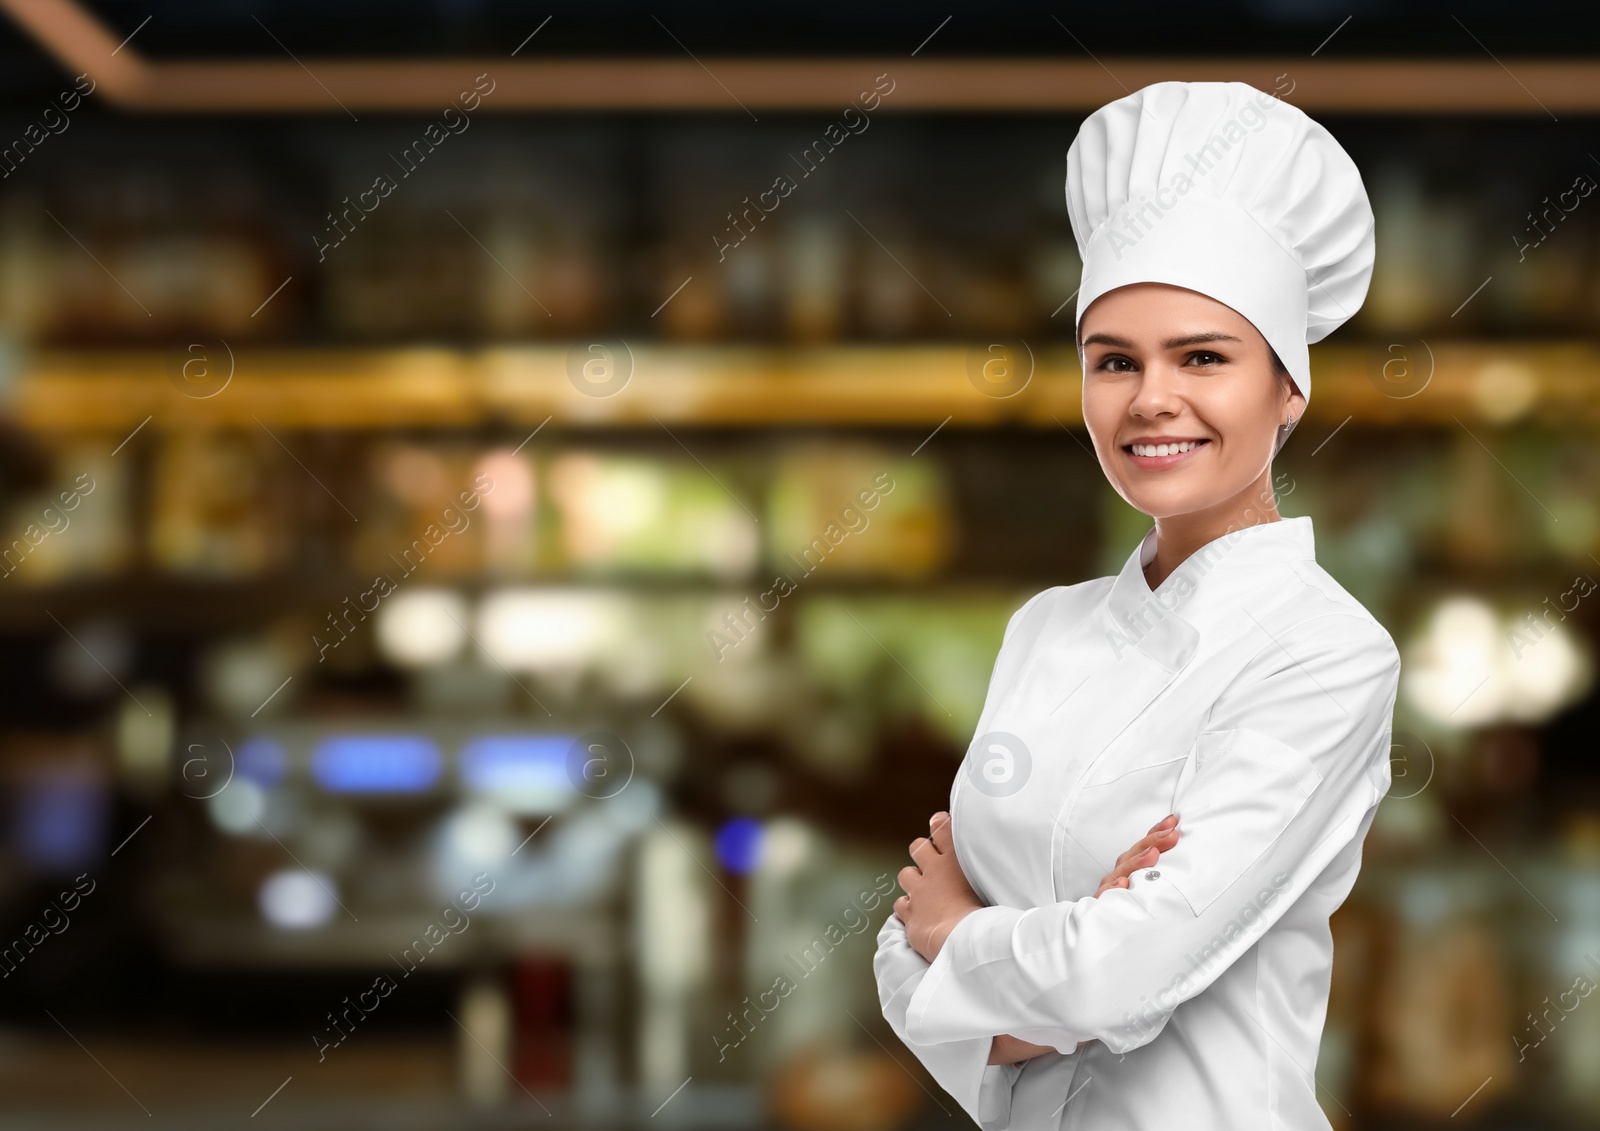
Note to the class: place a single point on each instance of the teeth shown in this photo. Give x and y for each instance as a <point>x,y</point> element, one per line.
<point>1165,449</point>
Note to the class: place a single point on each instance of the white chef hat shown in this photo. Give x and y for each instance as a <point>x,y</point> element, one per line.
<point>1223,189</point>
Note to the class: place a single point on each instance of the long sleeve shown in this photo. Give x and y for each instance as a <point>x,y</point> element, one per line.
<point>961,1068</point>
<point>1284,775</point>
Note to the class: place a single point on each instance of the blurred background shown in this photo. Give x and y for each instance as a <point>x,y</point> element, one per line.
<point>508,513</point>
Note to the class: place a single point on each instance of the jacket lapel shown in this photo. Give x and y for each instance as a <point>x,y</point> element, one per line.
<point>1137,644</point>
<point>1128,652</point>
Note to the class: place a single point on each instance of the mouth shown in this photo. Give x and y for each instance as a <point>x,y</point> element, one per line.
<point>1161,452</point>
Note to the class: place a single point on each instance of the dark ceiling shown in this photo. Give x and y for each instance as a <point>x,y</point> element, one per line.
<point>354,29</point>
<point>178,28</point>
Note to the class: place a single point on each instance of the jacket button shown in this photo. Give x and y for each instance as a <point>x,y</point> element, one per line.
<point>1152,874</point>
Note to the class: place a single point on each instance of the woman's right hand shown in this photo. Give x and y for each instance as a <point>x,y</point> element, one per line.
<point>1145,852</point>
<point>1007,1049</point>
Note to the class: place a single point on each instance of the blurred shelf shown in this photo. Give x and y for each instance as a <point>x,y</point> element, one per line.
<point>178,604</point>
<point>407,1084</point>
<point>115,391</point>
<point>198,1082</point>
<point>213,940</point>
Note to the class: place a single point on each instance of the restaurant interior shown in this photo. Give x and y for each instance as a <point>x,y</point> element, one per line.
<point>480,586</point>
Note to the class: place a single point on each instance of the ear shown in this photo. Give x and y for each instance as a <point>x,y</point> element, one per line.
<point>1294,402</point>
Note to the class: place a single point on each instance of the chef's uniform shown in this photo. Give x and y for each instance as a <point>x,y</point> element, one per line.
<point>1248,693</point>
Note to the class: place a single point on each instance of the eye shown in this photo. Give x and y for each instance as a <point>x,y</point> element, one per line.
<point>1115,363</point>
<point>1205,358</point>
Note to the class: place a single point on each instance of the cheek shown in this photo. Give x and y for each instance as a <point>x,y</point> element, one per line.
<point>1248,430</point>
<point>1249,425</point>
<point>1103,409</point>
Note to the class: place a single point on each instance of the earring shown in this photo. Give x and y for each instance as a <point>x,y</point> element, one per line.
<point>1290,424</point>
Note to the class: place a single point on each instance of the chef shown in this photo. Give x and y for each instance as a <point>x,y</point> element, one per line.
<point>1122,922</point>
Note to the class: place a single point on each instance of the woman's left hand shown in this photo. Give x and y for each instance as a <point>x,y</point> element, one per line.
<point>937,893</point>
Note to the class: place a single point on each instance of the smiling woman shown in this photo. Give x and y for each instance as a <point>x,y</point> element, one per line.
<point>1186,404</point>
<point>1222,679</point>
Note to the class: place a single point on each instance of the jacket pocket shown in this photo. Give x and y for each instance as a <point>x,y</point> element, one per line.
<point>1236,795</point>
<point>1105,819</point>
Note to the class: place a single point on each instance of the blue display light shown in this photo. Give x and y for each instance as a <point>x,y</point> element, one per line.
<point>262,761</point>
<point>518,762</point>
<point>524,773</point>
<point>738,845</point>
<point>61,821</point>
<point>376,763</point>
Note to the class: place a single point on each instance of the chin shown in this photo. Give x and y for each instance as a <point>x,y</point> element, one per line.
<point>1166,502</point>
<point>1173,496</point>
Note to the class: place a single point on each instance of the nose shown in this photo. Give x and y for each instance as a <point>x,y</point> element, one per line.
<point>1158,393</point>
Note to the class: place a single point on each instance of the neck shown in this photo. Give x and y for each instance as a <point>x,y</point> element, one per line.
<point>1181,535</point>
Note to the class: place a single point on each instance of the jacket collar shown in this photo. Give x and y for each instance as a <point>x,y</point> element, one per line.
<point>1166,623</point>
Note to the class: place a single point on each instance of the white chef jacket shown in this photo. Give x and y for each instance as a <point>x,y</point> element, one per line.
<point>1251,695</point>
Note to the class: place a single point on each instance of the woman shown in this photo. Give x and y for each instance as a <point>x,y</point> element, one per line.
<point>1221,705</point>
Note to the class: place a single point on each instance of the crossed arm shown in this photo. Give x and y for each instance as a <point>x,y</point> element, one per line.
<point>1286,775</point>
<point>943,898</point>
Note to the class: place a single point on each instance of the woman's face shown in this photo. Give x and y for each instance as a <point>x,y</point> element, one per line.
<point>1180,397</point>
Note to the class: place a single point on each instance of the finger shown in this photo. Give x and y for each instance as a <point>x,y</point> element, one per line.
<point>909,877</point>
<point>1141,860</point>
<point>922,850</point>
<point>902,908</point>
<point>1139,848</point>
<point>1145,851</point>
<point>1132,861</point>
<point>1167,826</point>
<point>1161,841</point>
<point>1110,882</point>
<point>943,837</point>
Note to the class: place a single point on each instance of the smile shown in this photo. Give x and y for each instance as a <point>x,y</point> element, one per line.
<point>1158,456</point>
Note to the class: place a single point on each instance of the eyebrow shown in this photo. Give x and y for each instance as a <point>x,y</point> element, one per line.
<point>1197,339</point>
<point>1169,344</point>
<point>1107,340</point>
